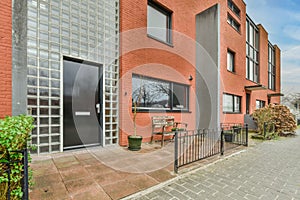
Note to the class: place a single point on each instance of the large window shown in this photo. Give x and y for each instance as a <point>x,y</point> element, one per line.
<point>260,104</point>
<point>158,22</point>
<point>155,94</point>
<point>234,8</point>
<point>230,61</point>
<point>271,68</point>
<point>252,43</point>
<point>233,23</point>
<point>231,103</point>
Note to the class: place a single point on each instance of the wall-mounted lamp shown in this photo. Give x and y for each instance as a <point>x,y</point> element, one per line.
<point>190,78</point>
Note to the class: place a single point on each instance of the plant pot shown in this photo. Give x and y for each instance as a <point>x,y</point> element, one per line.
<point>228,137</point>
<point>134,142</point>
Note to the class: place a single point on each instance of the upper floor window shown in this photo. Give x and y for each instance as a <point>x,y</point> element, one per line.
<point>233,23</point>
<point>234,8</point>
<point>231,103</point>
<point>159,95</point>
<point>271,67</point>
<point>230,61</point>
<point>158,22</point>
<point>252,52</point>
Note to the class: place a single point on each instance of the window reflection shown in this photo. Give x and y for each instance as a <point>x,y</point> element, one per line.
<point>156,94</point>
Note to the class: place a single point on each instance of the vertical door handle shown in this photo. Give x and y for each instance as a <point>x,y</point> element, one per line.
<point>98,107</point>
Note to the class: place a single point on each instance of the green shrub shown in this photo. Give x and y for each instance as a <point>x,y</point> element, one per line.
<point>14,135</point>
<point>278,118</point>
<point>262,116</point>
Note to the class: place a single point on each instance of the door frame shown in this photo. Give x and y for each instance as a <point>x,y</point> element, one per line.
<point>101,96</point>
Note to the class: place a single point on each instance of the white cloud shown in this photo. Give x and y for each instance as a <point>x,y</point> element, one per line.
<point>292,31</point>
<point>291,54</point>
<point>294,15</point>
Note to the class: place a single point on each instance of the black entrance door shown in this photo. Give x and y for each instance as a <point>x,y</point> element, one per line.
<point>82,104</point>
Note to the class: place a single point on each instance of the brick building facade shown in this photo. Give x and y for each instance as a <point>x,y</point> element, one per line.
<point>218,29</point>
<point>86,64</point>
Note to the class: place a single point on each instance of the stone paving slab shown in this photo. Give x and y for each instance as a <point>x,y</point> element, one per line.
<point>269,170</point>
<point>106,173</point>
<point>98,173</point>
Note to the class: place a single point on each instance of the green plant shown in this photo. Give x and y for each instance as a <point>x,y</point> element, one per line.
<point>274,120</point>
<point>177,129</point>
<point>262,116</point>
<point>14,135</point>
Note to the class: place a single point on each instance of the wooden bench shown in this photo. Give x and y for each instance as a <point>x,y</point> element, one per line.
<point>164,125</point>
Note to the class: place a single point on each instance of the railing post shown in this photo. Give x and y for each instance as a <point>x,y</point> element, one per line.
<point>25,178</point>
<point>265,129</point>
<point>8,176</point>
<point>222,142</point>
<point>246,134</point>
<point>176,153</point>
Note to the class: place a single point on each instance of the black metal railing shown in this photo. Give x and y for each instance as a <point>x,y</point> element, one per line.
<point>192,146</point>
<point>7,164</point>
<point>234,135</point>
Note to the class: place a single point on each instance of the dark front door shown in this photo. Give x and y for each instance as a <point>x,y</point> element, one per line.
<point>82,104</point>
<point>247,103</point>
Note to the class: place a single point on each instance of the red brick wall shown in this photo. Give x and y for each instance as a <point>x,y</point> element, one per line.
<point>278,73</point>
<point>263,55</point>
<point>233,83</point>
<point>143,55</point>
<point>6,58</point>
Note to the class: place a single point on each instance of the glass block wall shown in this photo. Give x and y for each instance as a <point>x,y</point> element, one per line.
<point>85,29</point>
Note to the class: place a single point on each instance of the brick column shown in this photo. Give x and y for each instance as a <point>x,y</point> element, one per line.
<point>6,58</point>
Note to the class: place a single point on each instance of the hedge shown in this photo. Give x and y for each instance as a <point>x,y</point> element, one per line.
<point>14,135</point>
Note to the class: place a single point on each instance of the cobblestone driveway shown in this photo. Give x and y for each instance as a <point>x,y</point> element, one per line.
<point>270,170</point>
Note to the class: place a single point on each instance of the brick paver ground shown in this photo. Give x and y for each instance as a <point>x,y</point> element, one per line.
<point>270,170</point>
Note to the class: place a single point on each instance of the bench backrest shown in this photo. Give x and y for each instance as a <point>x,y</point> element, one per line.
<point>159,121</point>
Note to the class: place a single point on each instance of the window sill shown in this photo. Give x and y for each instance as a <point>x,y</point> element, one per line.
<point>233,72</point>
<point>252,81</point>
<point>160,111</point>
<point>159,40</point>
<point>232,113</point>
<point>239,32</point>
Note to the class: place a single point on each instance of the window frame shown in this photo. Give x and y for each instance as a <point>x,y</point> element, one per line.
<point>233,23</point>
<point>252,52</point>
<point>271,67</point>
<point>260,104</point>
<point>168,13</point>
<point>231,68</point>
<point>234,8</point>
<point>234,97</point>
<point>170,95</point>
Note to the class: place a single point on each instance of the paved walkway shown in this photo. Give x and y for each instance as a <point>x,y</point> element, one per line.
<point>100,173</point>
<point>105,173</point>
<point>270,170</point>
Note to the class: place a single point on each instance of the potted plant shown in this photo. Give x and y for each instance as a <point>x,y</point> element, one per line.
<point>228,135</point>
<point>135,141</point>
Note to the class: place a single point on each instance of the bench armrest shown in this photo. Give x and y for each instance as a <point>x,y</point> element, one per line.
<point>180,123</point>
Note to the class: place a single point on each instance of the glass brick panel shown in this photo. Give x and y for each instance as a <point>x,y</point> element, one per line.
<point>57,28</point>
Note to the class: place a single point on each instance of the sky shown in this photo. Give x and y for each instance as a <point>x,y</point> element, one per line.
<point>281,19</point>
